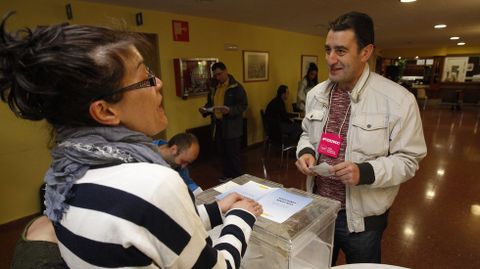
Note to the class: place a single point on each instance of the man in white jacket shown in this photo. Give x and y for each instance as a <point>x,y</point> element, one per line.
<point>367,130</point>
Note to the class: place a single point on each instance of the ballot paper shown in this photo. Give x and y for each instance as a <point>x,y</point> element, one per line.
<point>212,108</point>
<point>226,186</point>
<point>322,169</point>
<point>209,109</point>
<point>251,189</point>
<point>278,204</point>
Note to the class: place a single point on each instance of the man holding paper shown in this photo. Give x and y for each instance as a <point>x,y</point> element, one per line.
<point>226,103</point>
<point>362,137</point>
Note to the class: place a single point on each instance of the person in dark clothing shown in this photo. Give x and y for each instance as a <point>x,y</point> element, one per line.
<point>226,103</point>
<point>278,120</point>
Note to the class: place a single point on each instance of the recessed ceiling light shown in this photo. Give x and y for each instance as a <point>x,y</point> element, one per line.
<point>454,38</point>
<point>439,26</point>
<point>407,1</point>
<point>475,209</point>
<point>461,43</point>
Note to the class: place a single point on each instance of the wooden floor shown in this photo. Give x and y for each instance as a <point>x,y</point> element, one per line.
<point>435,220</point>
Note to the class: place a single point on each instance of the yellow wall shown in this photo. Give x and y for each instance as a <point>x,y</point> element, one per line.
<point>426,52</point>
<point>23,154</point>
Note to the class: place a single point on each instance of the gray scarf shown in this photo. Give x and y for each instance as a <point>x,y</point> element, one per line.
<point>79,149</point>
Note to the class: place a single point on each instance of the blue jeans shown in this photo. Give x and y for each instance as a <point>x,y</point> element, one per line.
<point>363,247</point>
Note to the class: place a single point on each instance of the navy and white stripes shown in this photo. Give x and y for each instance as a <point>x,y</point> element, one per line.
<point>141,215</point>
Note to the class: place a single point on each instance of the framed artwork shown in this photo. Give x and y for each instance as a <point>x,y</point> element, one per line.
<point>454,69</point>
<point>306,60</point>
<point>255,66</point>
<point>193,76</point>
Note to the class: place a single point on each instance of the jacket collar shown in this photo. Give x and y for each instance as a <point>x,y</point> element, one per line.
<point>232,83</point>
<point>361,83</point>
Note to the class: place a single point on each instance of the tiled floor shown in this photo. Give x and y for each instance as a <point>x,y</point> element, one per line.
<point>433,223</point>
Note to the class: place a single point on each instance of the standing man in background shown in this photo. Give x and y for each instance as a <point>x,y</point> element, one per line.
<point>226,103</point>
<point>181,150</point>
<point>368,130</point>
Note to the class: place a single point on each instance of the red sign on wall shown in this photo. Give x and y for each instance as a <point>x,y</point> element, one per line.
<point>180,30</point>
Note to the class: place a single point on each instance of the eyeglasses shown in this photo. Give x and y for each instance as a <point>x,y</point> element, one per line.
<point>149,82</point>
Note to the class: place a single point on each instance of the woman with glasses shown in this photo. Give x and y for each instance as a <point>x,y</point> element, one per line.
<point>111,198</point>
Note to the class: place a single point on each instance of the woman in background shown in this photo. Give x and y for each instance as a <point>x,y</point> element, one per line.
<point>111,197</point>
<point>307,83</point>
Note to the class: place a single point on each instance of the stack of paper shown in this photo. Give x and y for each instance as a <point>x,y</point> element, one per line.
<point>278,204</point>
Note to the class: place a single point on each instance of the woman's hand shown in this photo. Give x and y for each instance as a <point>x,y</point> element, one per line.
<point>226,203</point>
<point>249,205</point>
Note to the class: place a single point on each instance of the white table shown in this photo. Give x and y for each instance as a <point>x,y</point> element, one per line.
<point>367,266</point>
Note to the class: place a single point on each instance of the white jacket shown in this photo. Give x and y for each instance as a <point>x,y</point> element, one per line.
<point>385,130</point>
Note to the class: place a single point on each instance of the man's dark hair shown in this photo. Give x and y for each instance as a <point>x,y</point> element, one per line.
<point>183,141</point>
<point>281,90</point>
<point>360,23</point>
<point>218,65</point>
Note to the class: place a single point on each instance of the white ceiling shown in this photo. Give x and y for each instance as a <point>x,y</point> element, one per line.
<point>397,25</point>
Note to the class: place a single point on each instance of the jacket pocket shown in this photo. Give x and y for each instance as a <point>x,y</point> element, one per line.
<point>315,122</point>
<point>370,135</point>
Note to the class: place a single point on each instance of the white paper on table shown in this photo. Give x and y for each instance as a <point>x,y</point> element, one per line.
<point>322,169</point>
<point>251,189</point>
<point>226,186</point>
<point>280,205</point>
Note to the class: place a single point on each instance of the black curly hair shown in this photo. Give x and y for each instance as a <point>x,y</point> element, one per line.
<point>55,72</point>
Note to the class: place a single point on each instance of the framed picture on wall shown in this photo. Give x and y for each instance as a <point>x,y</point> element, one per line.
<point>306,60</point>
<point>454,69</point>
<point>255,66</point>
<point>193,76</point>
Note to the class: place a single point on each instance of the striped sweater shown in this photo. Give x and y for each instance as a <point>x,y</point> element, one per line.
<point>141,215</point>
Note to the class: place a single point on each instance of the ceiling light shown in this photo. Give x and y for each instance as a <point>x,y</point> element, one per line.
<point>454,38</point>
<point>461,43</point>
<point>408,231</point>
<point>430,194</point>
<point>416,57</point>
<point>475,209</point>
<point>407,1</point>
<point>439,26</point>
<point>399,57</point>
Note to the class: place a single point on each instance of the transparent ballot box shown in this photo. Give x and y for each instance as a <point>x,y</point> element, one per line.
<point>304,240</point>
